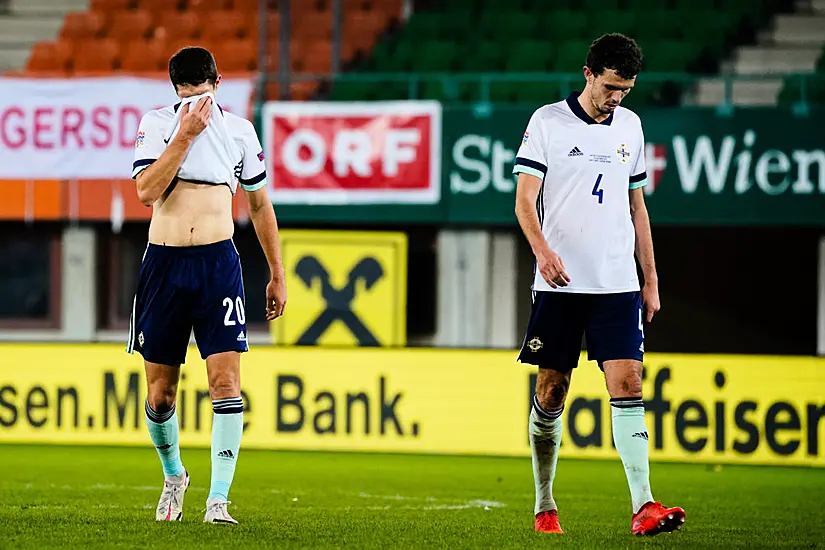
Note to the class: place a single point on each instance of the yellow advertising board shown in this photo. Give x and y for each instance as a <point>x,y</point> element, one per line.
<point>758,410</point>
<point>346,288</point>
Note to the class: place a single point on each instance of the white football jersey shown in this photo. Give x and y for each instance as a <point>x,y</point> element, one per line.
<point>156,125</point>
<point>583,206</point>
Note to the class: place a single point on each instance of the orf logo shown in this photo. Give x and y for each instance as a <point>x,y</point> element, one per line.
<point>346,288</point>
<point>354,154</point>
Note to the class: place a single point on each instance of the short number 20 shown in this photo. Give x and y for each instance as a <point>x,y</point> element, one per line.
<point>239,312</point>
<point>598,192</point>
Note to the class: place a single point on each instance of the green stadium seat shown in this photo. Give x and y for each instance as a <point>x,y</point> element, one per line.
<point>482,58</point>
<point>609,21</point>
<point>507,26</point>
<point>572,56</point>
<point>566,25</point>
<point>353,91</point>
<point>530,56</point>
<point>435,56</point>
<point>669,57</point>
<point>428,26</point>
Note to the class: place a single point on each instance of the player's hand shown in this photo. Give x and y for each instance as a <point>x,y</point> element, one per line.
<point>650,300</point>
<point>552,269</point>
<point>194,121</point>
<point>275,298</point>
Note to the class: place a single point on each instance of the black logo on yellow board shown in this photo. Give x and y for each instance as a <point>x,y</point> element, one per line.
<point>338,301</point>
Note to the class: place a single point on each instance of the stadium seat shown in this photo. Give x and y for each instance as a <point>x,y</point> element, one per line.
<point>235,56</point>
<point>158,7</point>
<point>144,57</point>
<point>95,56</point>
<point>50,57</point>
<point>129,25</point>
<point>81,25</point>
<point>314,57</point>
<point>110,6</point>
<point>248,7</point>
<point>202,6</point>
<point>435,56</point>
<point>224,25</point>
<point>312,25</point>
<point>530,56</point>
<point>176,24</point>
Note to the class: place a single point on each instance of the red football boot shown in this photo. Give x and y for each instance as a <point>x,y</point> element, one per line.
<point>653,518</point>
<point>548,522</point>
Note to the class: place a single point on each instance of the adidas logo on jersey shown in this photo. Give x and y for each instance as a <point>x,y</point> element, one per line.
<point>575,152</point>
<point>242,337</point>
<point>226,454</point>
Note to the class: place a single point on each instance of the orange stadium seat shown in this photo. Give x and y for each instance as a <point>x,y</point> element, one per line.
<point>176,24</point>
<point>129,25</point>
<point>298,90</point>
<point>49,57</point>
<point>80,25</point>
<point>208,5</point>
<point>158,7</point>
<point>246,6</point>
<point>235,56</point>
<point>144,57</point>
<point>312,25</point>
<point>362,28</point>
<point>315,57</point>
<point>95,56</point>
<point>225,25</point>
<point>110,6</point>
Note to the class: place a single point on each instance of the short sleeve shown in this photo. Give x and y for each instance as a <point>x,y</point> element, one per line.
<point>149,143</point>
<point>531,156</point>
<point>638,172</point>
<point>253,167</point>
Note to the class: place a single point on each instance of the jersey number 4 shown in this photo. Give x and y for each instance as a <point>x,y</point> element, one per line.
<point>597,192</point>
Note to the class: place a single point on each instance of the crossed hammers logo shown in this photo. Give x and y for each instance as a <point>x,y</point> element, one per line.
<point>338,300</point>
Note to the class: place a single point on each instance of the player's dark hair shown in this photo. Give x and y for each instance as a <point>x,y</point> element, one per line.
<point>193,66</point>
<point>615,51</point>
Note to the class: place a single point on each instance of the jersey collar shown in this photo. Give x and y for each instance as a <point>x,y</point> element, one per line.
<point>578,110</point>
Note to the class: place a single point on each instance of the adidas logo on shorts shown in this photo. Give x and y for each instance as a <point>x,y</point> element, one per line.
<point>575,152</point>
<point>242,337</point>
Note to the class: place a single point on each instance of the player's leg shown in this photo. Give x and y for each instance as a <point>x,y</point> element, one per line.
<point>615,339</point>
<point>162,422</point>
<point>220,331</point>
<point>553,343</point>
<point>159,331</point>
<point>227,428</point>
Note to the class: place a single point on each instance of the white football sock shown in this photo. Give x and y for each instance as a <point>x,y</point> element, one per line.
<point>630,437</point>
<point>545,438</point>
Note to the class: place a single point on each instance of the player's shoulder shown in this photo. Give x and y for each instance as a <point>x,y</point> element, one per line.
<point>624,115</point>
<point>238,124</point>
<point>159,117</point>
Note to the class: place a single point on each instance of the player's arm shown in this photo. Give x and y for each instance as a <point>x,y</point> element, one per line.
<point>154,179</point>
<point>266,228</point>
<point>253,181</point>
<point>531,169</point>
<point>644,238</point>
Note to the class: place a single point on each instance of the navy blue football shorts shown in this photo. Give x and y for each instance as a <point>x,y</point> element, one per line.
<point>610,323</point>
<point>186,288</point>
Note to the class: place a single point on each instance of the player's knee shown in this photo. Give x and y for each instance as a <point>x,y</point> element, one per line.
<point>551,396</point>
<point>223,387</point>
<point>161,399</point>
<point>632,386</point>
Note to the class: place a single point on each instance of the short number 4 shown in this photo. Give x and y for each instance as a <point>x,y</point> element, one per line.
<point>598,192</point>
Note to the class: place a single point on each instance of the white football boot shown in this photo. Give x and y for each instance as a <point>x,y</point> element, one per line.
<point>170,506</point>
<point>216,512</point>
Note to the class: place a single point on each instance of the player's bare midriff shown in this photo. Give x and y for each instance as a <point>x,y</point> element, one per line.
<point>192,214</point>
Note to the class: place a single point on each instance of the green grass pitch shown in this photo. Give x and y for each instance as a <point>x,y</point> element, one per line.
<point>103,497</point>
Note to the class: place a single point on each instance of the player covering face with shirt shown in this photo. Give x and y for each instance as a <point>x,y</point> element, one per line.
<point>189,159</point>
<point>580,203</point>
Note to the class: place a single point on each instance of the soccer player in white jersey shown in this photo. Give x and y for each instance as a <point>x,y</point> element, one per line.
<point>190,276</point>
<point>580,203</point>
